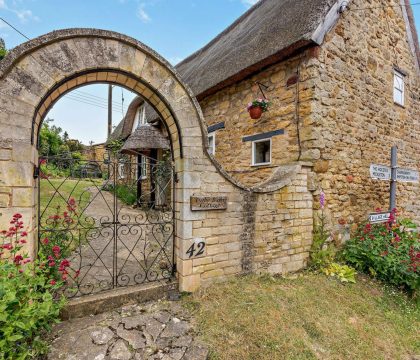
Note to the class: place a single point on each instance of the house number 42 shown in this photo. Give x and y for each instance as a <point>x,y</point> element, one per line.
<point>196,249</point>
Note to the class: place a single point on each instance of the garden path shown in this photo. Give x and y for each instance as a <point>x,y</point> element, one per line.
<point>129,253</point>
<point>156,330</point>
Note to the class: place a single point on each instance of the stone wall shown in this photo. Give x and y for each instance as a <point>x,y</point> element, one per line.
<point>258,233</point>
<point>355,118</point>
<point>286,112</point>
<point>95,152</point>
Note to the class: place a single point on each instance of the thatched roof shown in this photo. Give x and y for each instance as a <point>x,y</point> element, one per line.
<point>125,126</point>
<point>143,138</point>
<point>270,31</point>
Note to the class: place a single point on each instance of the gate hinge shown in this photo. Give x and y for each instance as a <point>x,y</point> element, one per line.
<point>176,178</point>
<point>36,172</point>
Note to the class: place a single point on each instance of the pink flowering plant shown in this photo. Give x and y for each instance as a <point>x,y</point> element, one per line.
<point>29,296</point>
<point>389,251</point>
<point>264,104</point>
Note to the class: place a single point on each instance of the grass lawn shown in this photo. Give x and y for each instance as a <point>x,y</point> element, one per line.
<point>311,317</point>
<point>56,192</point>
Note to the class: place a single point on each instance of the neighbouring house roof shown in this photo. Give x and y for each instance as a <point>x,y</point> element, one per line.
<point>145,137</point>
<point>270,31</point>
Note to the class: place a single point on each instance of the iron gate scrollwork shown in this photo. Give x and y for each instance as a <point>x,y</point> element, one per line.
<point>113,220</point>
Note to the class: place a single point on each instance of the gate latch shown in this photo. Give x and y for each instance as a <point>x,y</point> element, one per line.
<point>36,172</point>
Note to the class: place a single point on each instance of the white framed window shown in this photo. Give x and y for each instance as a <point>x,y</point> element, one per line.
<point>140,118</point>
<point>143,167</point>
<point>399,87</point>
<point>261,152</point>
<point>212,143</point>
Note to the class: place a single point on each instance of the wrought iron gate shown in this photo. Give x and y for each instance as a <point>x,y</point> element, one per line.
<point>112,220</point>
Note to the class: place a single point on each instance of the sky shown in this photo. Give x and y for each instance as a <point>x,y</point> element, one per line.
<point>174,28</point>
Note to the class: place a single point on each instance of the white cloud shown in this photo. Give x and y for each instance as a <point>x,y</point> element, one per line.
<point>25,15</point>
<point>142,14</point>
<point>249,3</point>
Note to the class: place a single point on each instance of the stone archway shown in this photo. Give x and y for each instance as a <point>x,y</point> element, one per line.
<point>36,74</point>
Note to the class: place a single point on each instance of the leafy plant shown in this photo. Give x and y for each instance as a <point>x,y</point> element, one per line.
<point>126,194</point>
<point>388,251</point>
<point>344,273</point>
<point>29,303</point>
<point>115,146</point>
<point>264,104</point>
<point>3,53</point>
<point>322,254</point>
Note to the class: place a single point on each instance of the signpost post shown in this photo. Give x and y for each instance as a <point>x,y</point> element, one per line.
<point>393,174</point>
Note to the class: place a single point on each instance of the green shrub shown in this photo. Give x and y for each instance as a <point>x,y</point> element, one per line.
<point>3,53</point>
<point>126,194</point>
<point>389,251</point>
<point>29,304</point>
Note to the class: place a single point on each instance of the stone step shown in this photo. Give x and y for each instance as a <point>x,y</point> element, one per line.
<point>110,300</point>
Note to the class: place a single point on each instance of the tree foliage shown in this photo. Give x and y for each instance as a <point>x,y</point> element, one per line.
<point>53,141</point>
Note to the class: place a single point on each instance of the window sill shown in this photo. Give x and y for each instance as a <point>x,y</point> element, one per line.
<point>262,165</point>
<point>399,105</point>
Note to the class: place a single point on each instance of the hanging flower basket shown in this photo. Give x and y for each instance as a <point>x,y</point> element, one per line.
<point>257,108</point>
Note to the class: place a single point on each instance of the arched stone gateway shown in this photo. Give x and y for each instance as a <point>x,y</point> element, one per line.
<point>221,228</point>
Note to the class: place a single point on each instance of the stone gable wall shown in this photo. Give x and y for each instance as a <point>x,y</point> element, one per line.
<point>355,119</point>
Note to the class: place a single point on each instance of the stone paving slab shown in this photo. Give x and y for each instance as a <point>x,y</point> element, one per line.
<point>155,330</point>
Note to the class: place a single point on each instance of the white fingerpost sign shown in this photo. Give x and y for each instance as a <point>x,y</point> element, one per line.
<point>393,174</point>
<point>380,172</point>
<point>379,217</point>
<point>407,175</point>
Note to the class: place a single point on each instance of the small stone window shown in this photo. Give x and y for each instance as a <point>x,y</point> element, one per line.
<point>261,152</point>
<point>399,87</point>
<point>212,143</point>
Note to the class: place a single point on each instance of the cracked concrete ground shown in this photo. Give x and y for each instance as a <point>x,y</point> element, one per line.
<point>155,330</point>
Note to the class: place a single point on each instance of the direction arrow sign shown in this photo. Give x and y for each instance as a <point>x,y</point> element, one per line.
<point>379,217</point>
<point>380,172</point>
<point>407,175</point>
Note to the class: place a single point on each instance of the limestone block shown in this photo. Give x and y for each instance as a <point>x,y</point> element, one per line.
<point>23,197</point>
<point>189,283</point>
<point>5,154</point>
<point>16,173</point>
<point>154,73</point>
<point>4,200</point>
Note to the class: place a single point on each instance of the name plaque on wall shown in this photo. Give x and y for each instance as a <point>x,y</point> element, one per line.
<point>201,203</point>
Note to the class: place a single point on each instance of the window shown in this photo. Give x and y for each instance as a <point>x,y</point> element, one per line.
<point>399,88</point>
<point>143,167</point>
<point>140,118</point>
<point>121,170</point>
<point>212,143</point>
<point>261,152</point>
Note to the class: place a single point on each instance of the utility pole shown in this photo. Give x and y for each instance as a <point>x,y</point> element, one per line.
<point>109,110</point>
<point>393,186</point>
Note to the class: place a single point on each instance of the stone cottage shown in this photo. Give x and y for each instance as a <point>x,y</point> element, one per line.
<point>343,81</point>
